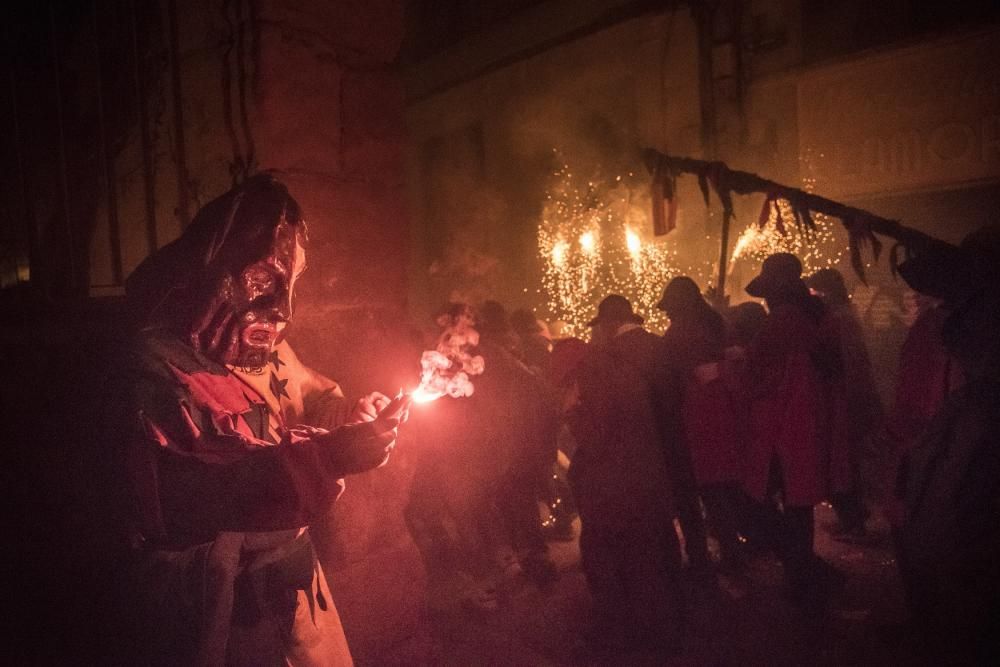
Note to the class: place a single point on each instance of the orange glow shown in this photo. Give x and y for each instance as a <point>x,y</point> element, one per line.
<point>590,243</point>
<point>818,250</point>
<point>632,242</point>
<point>749,236</point>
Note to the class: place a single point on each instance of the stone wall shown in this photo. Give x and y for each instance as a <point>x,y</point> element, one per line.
<point>639,77</point>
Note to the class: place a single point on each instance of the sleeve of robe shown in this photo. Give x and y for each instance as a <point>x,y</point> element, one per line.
<point>188,474</point>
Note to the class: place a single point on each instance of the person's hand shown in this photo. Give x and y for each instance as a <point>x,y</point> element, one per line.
<point>398,408</point>
<point>356,448</point>
<point>368,407</point>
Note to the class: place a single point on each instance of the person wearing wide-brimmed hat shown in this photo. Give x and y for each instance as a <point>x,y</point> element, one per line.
<point>791,366</point>
<point>949,540</point>
<point>628,547</point>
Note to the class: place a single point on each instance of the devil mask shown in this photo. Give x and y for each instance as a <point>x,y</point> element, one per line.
<point>227,284</point>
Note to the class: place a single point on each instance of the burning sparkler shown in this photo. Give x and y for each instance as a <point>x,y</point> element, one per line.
<point>633,243</point>
<point>559,251</point>
<point>817,249</point>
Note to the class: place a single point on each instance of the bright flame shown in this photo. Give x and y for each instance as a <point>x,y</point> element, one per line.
<point>745,241</point>
<point>587,242</point>
<point>632,242</point>
<point>420,395</point>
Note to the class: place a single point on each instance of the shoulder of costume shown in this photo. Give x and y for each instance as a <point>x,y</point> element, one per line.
<point>158,349</point>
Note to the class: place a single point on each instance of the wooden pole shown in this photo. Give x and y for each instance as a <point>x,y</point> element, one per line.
<point>743,182</point>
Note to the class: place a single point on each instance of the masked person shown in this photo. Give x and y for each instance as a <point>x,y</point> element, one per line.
<point>792,369</point>
<point>628,547</point>
<point>218,488</point>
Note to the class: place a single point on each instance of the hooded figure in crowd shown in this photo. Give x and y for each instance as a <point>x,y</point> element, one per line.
<point>858,414</point>
<point>516,434</point>
<point>949,541</point>
<point>696,345</point>
<point>623,489</point>
<point>792,369</point>
<point>534,345</point>
<point>927,373</point>
<point>218,485</point>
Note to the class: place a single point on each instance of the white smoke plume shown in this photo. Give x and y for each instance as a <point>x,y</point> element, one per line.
<point>447,369</point>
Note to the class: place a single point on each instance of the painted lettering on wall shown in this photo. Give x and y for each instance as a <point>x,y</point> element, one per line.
<point>922,117</point>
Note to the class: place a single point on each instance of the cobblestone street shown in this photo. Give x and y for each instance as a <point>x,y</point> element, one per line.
<point>739,624</point>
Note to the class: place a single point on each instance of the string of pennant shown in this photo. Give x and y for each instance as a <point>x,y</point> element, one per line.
<point>713,176</point>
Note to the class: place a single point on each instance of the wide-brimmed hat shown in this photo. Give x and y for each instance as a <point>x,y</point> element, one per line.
<point>954,273</point>
<point>615,308</point>
<point>779,272</point>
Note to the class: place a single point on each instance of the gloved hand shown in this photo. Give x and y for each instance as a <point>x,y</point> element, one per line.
<point>356,448</point>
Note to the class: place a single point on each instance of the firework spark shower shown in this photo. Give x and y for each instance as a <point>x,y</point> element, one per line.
<point>594,240</point>
<point>820,249</point>
<point>591,242</point>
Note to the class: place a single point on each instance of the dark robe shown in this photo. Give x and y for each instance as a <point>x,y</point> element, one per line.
<point>949,543</point>
<point>696,346</point>
<point>218,567</point>
<point>927,374</point>
<point>791,366</point>
<point>623,492</point>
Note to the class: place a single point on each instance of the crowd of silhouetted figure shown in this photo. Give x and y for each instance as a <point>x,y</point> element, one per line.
<point>688,455</point>
<point>184,492</point>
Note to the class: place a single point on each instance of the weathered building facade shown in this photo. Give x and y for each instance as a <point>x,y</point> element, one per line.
<point>890,106</point>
